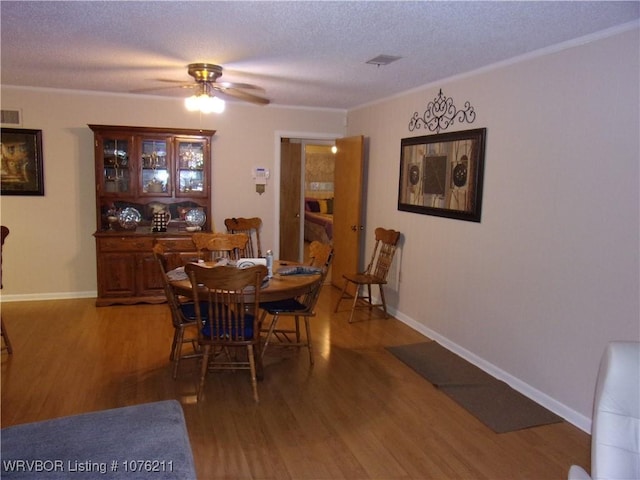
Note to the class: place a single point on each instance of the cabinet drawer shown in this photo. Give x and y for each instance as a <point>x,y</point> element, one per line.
<point>184,244</point>
<point>125,244</point>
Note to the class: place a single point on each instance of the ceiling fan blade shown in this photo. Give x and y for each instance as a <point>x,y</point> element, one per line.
<point>244,86</point>
<point>239,94</point>
<point>153,89</point>
<point>169,80</point>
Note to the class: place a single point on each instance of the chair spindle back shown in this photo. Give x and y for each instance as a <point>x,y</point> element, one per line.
<point>250,227</point>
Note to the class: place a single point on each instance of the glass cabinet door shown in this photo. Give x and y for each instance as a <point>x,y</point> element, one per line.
<point>116,175</point>
<point>190,158</point>
<point>155,167</point>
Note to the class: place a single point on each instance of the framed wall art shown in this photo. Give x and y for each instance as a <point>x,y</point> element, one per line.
<point>21,162</point>
<point>442,174</point>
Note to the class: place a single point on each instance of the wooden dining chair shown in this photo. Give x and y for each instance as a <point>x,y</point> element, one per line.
<point>3,331</point>
<point>183,316</point>
<point>296,308</point>
<point>251,227</point>
<point>320,254</point>
<point>375,274</point>
<point>213,246</point>
<point>229,322</point>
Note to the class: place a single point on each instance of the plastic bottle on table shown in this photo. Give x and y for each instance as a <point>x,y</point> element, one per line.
<point>269,263</point>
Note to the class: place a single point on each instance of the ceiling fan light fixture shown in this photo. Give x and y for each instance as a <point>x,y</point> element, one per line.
<point>204,103</point>
<point>191,103</point>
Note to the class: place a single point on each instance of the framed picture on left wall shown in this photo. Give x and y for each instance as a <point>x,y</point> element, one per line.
<point>21,162</point>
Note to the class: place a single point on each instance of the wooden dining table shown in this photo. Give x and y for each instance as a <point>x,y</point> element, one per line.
<point>279,287</point>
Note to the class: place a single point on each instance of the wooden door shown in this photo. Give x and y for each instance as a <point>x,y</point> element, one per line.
<point>290,191</point>
<point>347,207</point>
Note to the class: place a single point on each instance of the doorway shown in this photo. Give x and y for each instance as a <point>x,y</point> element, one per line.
<point>306,195</point>
<point>348,200</point>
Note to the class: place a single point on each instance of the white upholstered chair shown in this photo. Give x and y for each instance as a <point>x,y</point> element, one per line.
<point>615,431</point>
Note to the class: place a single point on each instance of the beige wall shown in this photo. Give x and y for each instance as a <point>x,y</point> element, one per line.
<point>551,274</point>
<point>50,252</point>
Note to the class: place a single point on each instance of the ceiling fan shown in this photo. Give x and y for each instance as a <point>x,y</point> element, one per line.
<point>209,92</point>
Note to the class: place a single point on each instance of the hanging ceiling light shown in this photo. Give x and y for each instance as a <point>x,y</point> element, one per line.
<point>204,102</point>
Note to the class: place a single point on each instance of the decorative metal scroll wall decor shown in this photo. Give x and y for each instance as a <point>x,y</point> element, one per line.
<point>441,113</point>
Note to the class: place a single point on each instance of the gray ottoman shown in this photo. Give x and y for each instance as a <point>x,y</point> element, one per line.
<point>143,441</point>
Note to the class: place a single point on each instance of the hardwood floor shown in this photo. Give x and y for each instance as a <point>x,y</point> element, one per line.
<point>359,413</point>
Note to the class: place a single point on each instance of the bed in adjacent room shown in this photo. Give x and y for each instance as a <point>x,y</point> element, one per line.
<point>318,219</point>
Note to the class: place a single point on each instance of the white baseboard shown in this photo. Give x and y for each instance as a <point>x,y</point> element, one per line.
<point>34,297</point>
<point>568,414</point>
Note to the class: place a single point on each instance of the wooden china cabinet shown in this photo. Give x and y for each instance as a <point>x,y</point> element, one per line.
<point>140,172</point>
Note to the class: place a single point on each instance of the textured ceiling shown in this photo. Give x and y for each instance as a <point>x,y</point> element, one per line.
<point>301,53</point>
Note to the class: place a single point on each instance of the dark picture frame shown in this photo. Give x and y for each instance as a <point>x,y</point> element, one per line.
<point>442,174</point>
<point>21,162</point>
